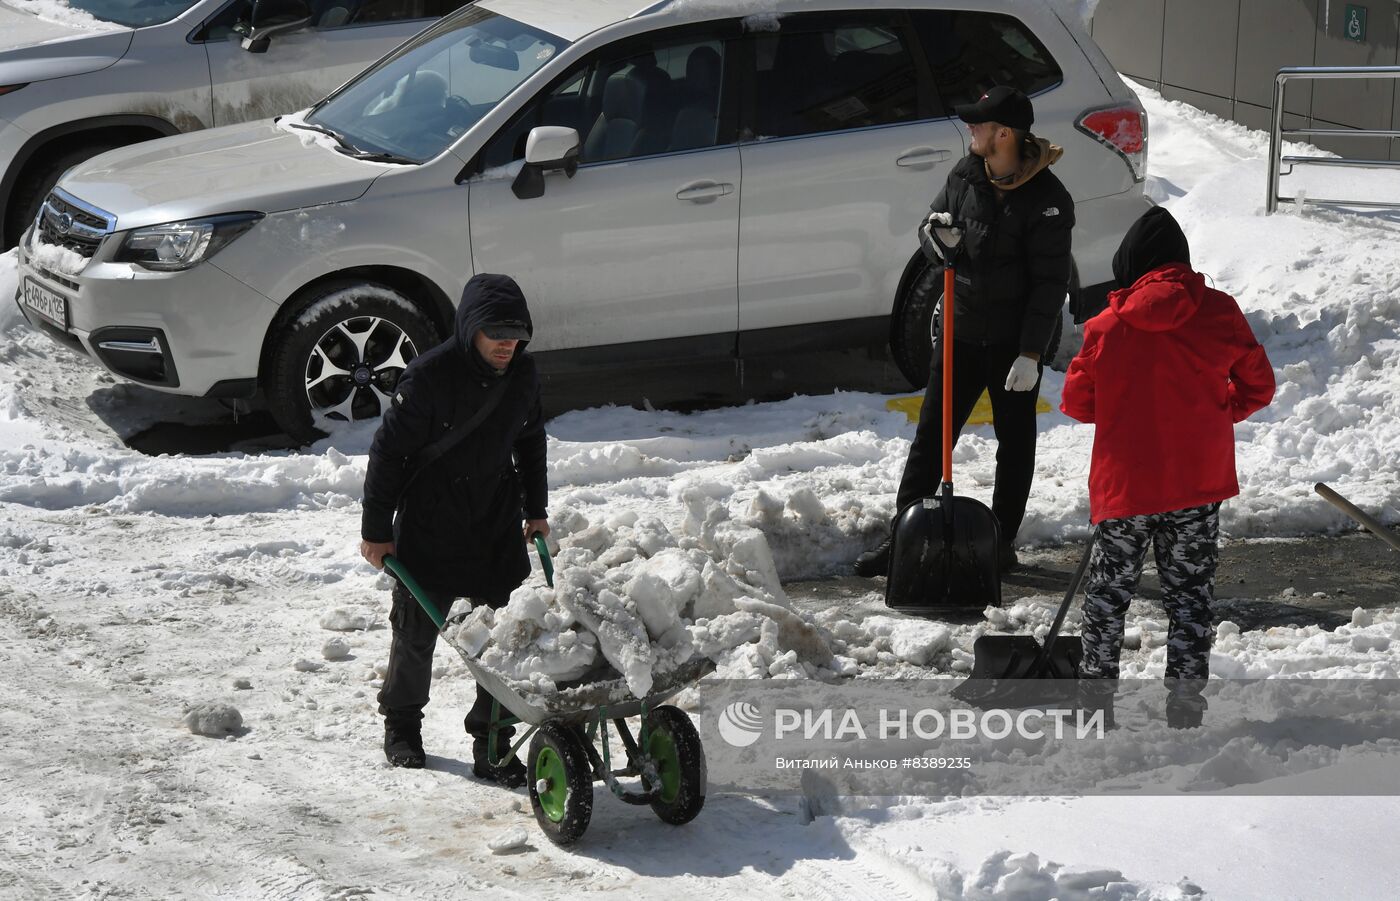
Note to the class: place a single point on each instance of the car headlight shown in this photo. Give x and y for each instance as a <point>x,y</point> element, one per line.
<point>180,245</point>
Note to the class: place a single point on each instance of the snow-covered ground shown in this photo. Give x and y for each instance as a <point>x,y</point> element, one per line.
<point>135,589</point>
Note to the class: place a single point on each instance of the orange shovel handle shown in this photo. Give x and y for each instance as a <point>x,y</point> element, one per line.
<point>948,374</point>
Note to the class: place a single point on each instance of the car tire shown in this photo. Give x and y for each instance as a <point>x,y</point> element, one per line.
<point>912,338</point>
<point>340,356</point>
<point>35,184</point>
<point>911,341</point>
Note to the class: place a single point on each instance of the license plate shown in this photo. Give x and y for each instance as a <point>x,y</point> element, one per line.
<point>46,304</point>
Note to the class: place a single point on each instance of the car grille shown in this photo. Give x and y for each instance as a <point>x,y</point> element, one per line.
<point>68,222</point>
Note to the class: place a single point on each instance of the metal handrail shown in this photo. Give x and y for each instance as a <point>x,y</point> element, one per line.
<point>1277,133</point>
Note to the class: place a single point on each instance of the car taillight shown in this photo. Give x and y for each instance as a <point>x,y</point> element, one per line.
<point>1123,129</point>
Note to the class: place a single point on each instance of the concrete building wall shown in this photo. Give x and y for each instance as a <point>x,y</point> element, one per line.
<point>1222,55</point>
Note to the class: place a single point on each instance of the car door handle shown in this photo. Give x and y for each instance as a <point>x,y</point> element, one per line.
<point>921,157</point>
<point>704,191</point>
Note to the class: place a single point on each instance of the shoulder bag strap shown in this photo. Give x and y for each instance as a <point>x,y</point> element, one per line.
<point>430,454</point>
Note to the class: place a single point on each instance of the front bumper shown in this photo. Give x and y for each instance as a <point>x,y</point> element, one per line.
<point>198,332</point>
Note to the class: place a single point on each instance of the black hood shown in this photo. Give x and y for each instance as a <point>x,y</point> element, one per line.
<point>1152,242</point>
<point>486,300</point>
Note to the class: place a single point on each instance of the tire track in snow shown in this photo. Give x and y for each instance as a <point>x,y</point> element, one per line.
<point>22,875</point>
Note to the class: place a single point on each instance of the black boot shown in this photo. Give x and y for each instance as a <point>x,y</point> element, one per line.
<point>510,774</point>
<point>1186,708</point>
<point>1006,557</point>
<point>403,747</point>
<point>875,562</point>
<point>1096,696</point>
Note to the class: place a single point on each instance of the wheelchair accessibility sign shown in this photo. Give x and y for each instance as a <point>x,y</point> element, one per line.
<point>1354,23</point>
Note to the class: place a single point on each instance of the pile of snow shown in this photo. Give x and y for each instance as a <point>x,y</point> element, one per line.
<point>645,600</point>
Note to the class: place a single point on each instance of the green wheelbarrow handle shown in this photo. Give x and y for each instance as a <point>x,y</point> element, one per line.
<point>396,568</point>
<point>399,572</point>
<point>547,564</point>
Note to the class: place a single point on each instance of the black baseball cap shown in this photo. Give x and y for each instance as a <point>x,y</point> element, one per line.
<point>508,330</point>
<point>1003,105</point>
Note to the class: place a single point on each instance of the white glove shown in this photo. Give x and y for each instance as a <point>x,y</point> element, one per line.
<point>937,236</point>
<point>1024,373</point>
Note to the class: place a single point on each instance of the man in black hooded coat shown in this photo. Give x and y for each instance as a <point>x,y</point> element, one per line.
<point>456,524</point>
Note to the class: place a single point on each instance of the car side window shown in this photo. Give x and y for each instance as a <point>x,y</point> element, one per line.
<point>818,73</point>
<point>342,13</point>
<point>327,14</point>
<point>636,100</point>
<point>969,52</point>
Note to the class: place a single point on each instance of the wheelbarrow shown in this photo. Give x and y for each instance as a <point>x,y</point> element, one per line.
<point>569,736</point>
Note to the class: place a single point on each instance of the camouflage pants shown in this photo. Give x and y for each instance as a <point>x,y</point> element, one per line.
<point>1185,545</point>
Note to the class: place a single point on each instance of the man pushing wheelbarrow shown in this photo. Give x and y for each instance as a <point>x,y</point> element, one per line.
<point>457,464</point>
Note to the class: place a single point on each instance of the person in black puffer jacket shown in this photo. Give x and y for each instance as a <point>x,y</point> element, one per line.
<point>1011,272</point>
<point>455,523</point>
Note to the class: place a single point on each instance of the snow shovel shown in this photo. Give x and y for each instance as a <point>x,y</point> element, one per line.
<point>944,550</point>
<point>1000,657</point>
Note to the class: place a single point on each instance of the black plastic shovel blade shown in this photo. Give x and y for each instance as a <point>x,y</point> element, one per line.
<point>1013,657</point>
<point>1004,672</point>
<point>936,564</point>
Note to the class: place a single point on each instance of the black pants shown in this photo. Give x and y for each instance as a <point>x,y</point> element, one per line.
<point>977,367</point>
<point>405,690</point>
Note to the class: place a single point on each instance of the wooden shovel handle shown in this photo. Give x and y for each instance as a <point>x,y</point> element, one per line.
<point>1365,519</point>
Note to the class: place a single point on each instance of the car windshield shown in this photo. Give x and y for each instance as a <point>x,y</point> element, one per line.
<point>416,102</point>
<point>132,13</point>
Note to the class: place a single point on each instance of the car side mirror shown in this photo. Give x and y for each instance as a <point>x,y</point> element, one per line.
<point>273,17</point>
<point>549,148</point>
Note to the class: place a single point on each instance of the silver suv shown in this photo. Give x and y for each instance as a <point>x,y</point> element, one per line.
<point>99,74</point>
<point>665,182</point>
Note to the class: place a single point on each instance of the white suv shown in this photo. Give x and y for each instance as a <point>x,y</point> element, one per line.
<point>664,181</point>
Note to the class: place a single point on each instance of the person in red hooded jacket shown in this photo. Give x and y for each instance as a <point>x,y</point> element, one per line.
<point>1164,374</point>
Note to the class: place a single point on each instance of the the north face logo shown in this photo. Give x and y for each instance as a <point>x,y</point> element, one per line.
<point>1051,211</point>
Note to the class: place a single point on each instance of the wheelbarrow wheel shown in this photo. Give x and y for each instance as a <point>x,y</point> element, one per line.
<point>560,779</point>
<point>674,747</point>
